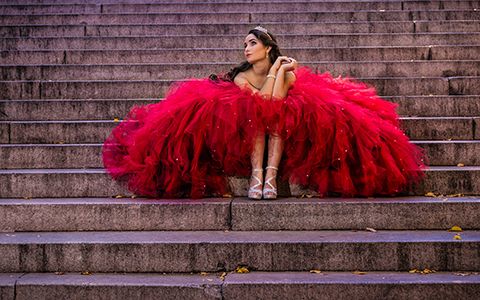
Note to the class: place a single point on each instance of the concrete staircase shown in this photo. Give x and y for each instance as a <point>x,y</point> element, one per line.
<point>70,67</point>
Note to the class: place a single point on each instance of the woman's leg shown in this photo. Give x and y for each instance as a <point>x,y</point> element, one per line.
<point>275,150</point>
<point>256,180</point>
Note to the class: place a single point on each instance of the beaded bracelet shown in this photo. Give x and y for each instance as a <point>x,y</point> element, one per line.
<point>271,76</point>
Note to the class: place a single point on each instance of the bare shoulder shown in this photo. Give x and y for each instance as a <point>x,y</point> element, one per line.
<point>240,79</point>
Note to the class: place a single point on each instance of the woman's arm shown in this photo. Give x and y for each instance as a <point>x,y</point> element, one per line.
<point>278,81</point>
<point>283,83</point>
<point>276,78</point>
<point>285,79</point>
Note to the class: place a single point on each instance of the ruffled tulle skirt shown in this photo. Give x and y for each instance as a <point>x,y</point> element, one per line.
<point>340,138</point>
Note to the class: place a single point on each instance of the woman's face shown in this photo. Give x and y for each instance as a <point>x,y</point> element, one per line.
<point>254,50</point>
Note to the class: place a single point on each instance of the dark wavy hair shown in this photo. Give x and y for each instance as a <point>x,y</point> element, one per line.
<point>267,40</point>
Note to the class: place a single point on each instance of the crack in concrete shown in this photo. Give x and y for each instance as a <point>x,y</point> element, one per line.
<point>15,285</point>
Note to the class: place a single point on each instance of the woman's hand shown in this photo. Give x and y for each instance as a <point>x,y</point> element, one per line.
<point>290,65</point>
<point>278,63</point>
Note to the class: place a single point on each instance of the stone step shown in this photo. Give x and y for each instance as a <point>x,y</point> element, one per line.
<point>229,6</point>
<point>112,286</point>
<point>184,1</point>
<point>202,41</point>
<point>442,128</point>
<point>253,285</point>
<point>238,6</point>
<point>431,106</point>
<point>416,68</point>
<point>109,214</point>
<point>122,89</point>
<point>108,109</point>
<point>227,17</point>
<point>76,109</point>
<point>96,131</point>
<point>58,183</point>
<point>376,285</point>
<point>67,183</point>
<point>197,55</point>
<point>240,214</point>
<point>26,156</point>
<point>241,28</point>
<point>211,251</point>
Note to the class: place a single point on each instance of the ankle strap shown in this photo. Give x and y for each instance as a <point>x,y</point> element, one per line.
<point>271,167</point>
<point>257,170</point>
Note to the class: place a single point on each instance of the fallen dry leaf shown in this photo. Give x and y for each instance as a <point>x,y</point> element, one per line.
<point>462,273</point>
<point>455,228</point>
<point>227,196</point>
<point>86,273</point>
<point>370,229</point>
<point>460,165</point>
<point>119,196</point>
<point>222,277</point>
<point>116,119</point>
<point>315,271</point>
<point>424,271</point>
<point>203,273</point>
<point>359,273</point>
<point>242,269</point>
<point>457,237</point>
<point>430,194</point>
<point>455,195</point>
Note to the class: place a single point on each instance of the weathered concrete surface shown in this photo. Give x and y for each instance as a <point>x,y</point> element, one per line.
<point>366,15</point>
<point>40,156</point>
<point>329,285</point>
<point>451,153</point>
<point>109,214</point>
<point>75,109</point>
<point>432,106</point>
<point>199,70</point>
<point>227,41</point>
<point>414,213</point>
<point>254,17</point>
<point>385,86</point>
<point>96,131</point>
<point>450,180</point>
<point>187,251</point>
<point>438,128</point>
<point>118,286</point>
<point>477,128</point>
<point>75,156</point>
<point>364,53</point>
<point>241,28</point>
<point>106,214</point>
<point>108,109</point>
<point>7,285</point>
<point>60,132</point>
<point>66,183</point>
<point>46,183</point>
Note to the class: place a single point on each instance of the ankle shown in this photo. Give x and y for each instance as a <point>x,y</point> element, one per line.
<point>271,171</point>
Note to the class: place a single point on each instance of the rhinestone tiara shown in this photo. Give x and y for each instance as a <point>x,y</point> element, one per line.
<point>260,28</point>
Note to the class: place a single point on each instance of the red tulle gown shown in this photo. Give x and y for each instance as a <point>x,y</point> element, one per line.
<point>340,138</point>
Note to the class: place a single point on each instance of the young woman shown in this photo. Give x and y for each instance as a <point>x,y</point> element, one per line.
<point>332,135</point>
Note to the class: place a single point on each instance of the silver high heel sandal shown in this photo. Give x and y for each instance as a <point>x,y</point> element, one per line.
<point>270,192</point>
<point>254,192</point>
